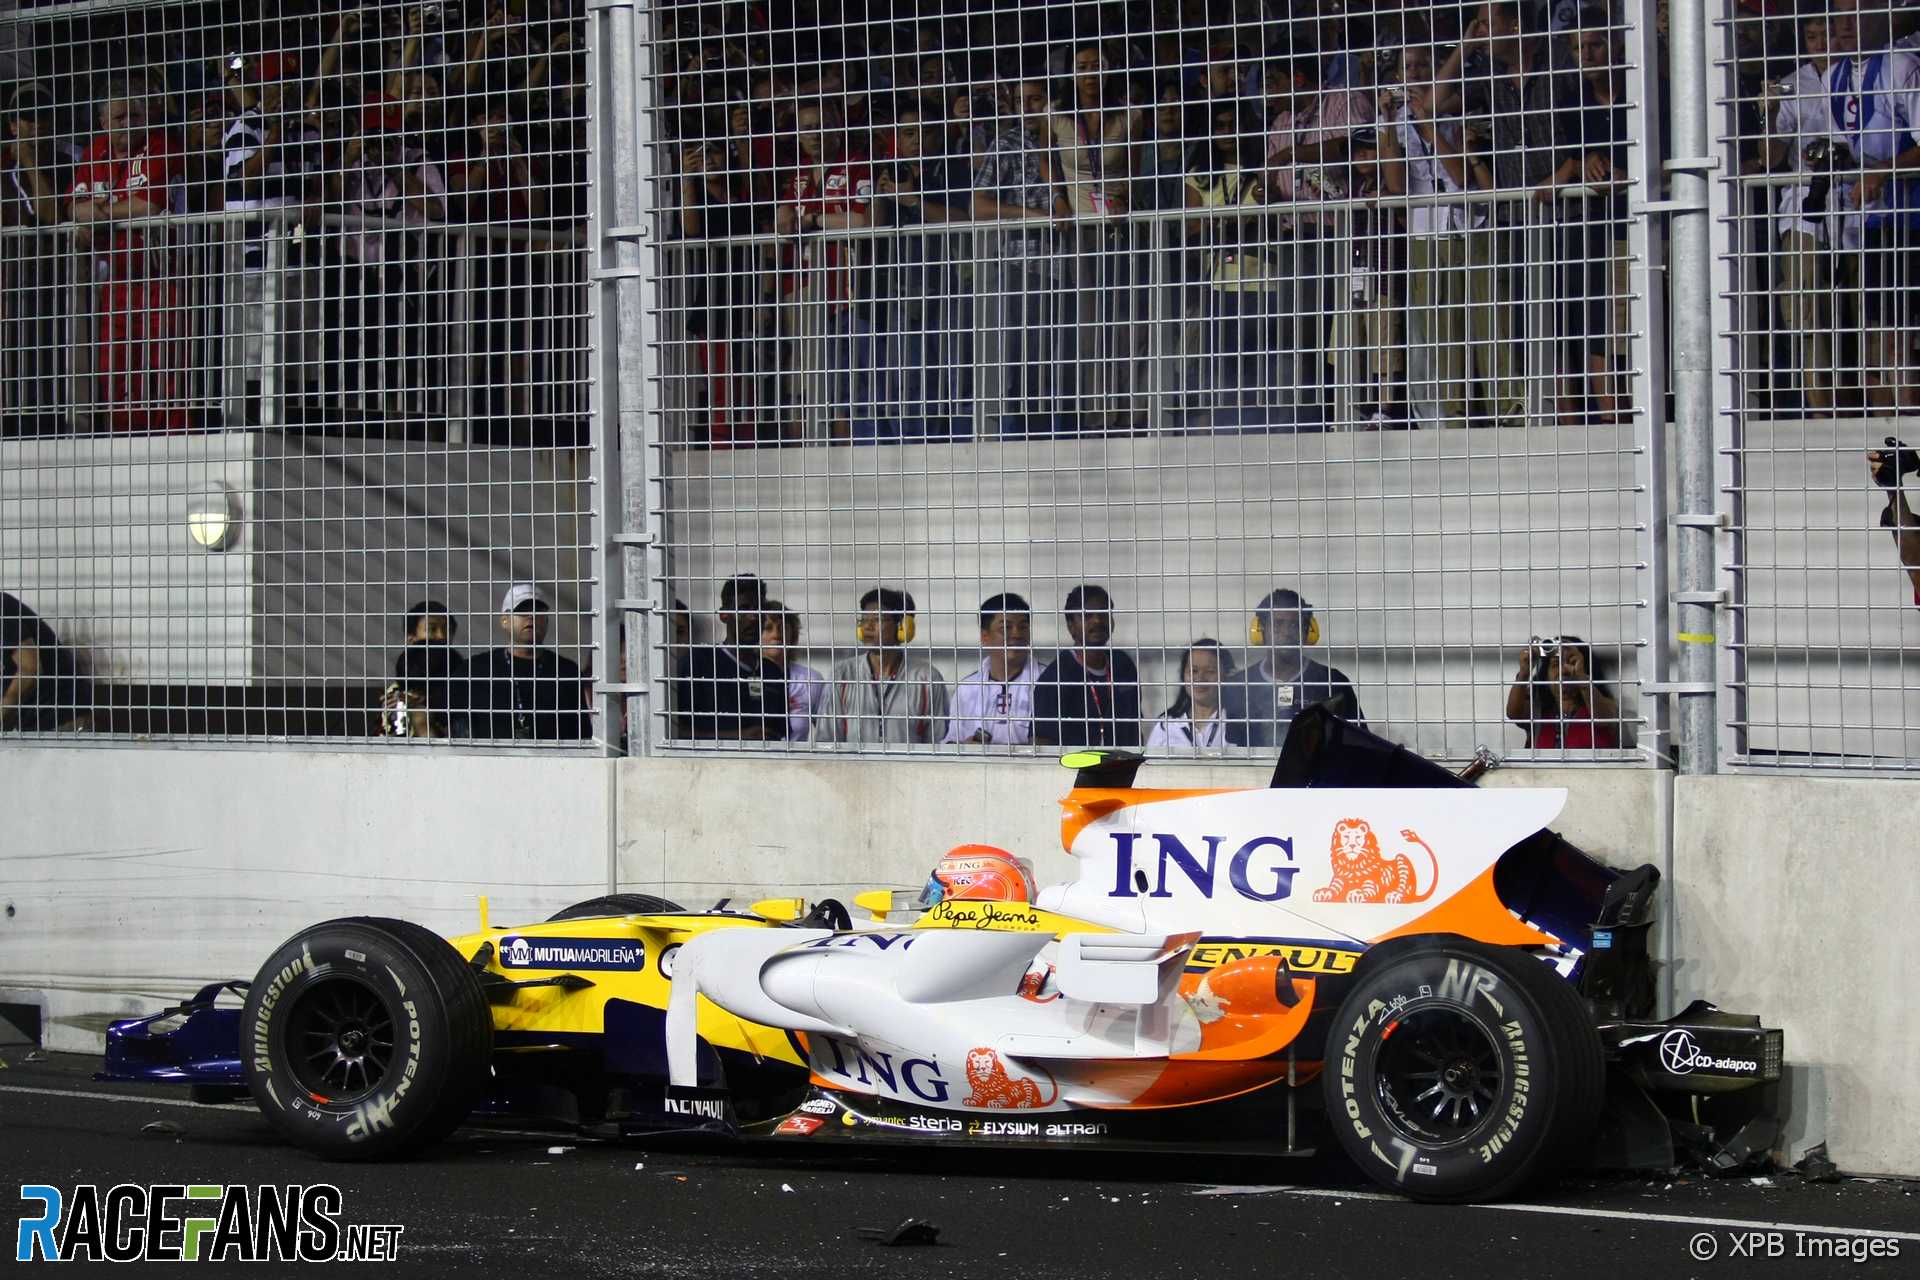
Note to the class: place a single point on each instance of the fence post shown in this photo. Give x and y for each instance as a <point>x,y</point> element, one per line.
<point>1695,612</point>
<point>628,446</point>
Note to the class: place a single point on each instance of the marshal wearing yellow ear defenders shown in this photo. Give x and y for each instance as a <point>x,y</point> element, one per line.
<point>889,612</point>
<point>1281,601</point>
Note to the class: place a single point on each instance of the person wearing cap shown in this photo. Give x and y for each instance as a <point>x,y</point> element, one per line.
<point>1089,696</point>
<point>995,703</point>
<point>1280,678</point>
<point>131,170</point>
<point>520,691</point>
<point>729,692</point>
<point>430,675</point>
<point>883,694</point>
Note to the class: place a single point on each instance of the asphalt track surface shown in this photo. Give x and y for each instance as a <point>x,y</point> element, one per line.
<point>493,1202</point>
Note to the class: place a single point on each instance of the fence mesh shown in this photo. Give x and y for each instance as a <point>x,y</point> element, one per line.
<point>294,392</point>
<point>1121,374</point>
<point>1819,236</point>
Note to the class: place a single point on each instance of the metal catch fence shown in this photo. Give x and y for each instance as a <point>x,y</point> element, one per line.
<point>1817,237</point>
<point>1134,375</point>
<point>295,401</point>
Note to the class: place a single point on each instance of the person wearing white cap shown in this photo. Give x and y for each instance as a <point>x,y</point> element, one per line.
<point>521,691</point>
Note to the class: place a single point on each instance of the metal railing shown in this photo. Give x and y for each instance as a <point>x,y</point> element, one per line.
<point>264,309</point>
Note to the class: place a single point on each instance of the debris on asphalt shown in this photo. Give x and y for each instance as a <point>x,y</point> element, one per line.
<point>163,1128</point>
<point>558,1151</point>
<point>38,1055</point>
<point>1816,1167</point>
<point>785,1187</point>
<point>911,1231</point>
<point>638,1166</point>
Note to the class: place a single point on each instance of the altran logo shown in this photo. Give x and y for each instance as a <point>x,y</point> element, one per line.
<point>1680,1054</point>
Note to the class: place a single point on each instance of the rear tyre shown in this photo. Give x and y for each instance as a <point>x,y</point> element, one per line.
<point>1458,1071</point>
<point>618,904</point>
<point>366,1039</point>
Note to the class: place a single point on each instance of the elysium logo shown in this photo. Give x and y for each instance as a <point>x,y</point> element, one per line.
<point>184,1223</point>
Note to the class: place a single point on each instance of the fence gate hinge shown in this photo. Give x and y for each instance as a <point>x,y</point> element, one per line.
<point>1681,689</point>
<point>1691,164</point>
<point>1714,598</point>
<point>1703,520</point>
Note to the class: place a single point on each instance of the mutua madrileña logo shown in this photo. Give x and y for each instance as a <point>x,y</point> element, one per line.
<point>184,1222</point>
<point>572,953</point>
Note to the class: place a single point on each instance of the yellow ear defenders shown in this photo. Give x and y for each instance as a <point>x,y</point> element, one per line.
<point>1257,634</point>
<point>902,634</point>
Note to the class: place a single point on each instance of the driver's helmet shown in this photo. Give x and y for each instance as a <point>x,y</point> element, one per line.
<point>980,873</point>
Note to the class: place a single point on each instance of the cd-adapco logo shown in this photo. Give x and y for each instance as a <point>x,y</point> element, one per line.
<point>1679,1054</point>
<point>183,1223</point>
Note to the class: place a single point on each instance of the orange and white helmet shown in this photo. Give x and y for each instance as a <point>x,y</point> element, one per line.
<point>982,873</point>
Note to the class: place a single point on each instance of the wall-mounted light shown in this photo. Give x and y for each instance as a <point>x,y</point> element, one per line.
<point>213,517</point>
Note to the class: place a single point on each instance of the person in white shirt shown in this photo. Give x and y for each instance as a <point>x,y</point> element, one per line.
<point>995,703</point>
<point>806,688</point>
<point>1453,332</point>
<point>1872,104</point>
<point>1195,719</point>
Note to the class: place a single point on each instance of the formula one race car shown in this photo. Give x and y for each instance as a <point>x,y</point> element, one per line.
<point>1462,988</point>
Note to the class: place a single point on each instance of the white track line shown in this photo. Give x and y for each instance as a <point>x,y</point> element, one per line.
<point>128,1097</point>
<point>1570,1211</point>
<point>578,1140</point>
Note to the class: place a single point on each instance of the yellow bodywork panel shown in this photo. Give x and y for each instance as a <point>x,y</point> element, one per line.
<point>621,957</point>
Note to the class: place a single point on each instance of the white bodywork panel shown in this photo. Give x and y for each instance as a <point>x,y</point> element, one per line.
<point>938,1017</point>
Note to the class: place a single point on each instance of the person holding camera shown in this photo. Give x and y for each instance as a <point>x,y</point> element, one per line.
<point>1889,467</point>
<point>1556,700</point>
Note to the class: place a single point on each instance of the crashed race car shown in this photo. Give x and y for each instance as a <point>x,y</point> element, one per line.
<point>1462,991</point>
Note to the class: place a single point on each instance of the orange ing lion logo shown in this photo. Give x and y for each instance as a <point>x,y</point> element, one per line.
<point>993,1087</point>
<point>1361,873</point>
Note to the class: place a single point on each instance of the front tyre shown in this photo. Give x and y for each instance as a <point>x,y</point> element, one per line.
<point>366,1038</point>
<point>1458,1071</point>
<point>618,904</point>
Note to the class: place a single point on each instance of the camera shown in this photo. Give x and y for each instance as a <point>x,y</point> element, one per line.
<point>432,14</point>
<point>1543,648</point>
<point>1897,462</point>
<point>1824,157</point>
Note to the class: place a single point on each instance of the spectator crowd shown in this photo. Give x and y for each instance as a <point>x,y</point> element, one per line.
<point>750,686</point>
<point>1198,214</point>
<point>361,137</point>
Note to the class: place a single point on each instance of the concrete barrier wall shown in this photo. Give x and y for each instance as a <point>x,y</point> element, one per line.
<point>128,877</point>
<point>1796,899</point>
